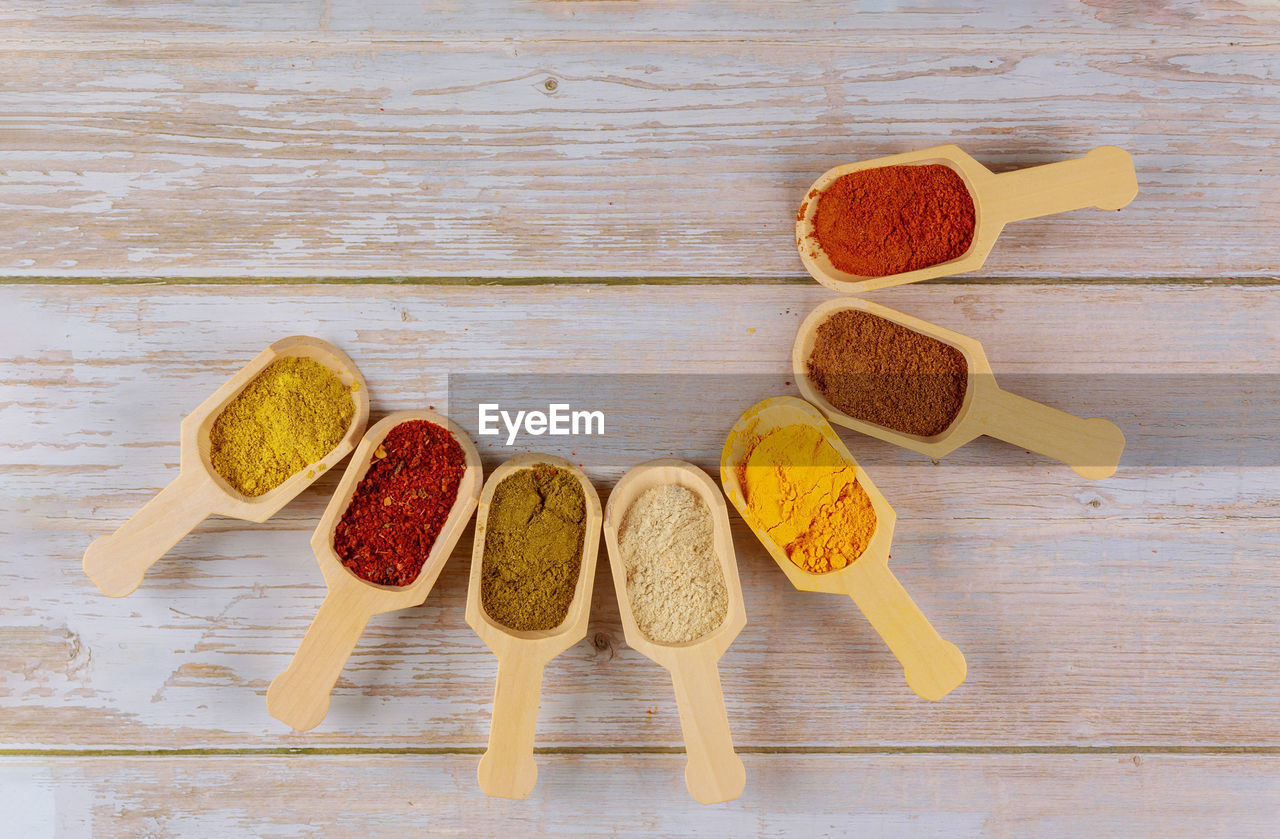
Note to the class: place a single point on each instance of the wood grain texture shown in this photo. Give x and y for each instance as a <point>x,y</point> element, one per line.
<point>1132,612</point>
<point>862,796</point>
<point>303,139</point>
<point>1120,635</point>
<point>716,20</point>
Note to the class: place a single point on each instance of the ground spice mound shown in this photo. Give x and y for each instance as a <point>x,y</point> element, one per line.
<point>401,504</point>
<point>893,219</point>
<point>882,372</point>
<point>806,497</point>
<point>533,548</point>
<point>290,415</point>
<point>675,584</point>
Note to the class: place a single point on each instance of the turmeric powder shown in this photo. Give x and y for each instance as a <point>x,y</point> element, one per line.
<point>807,498</point>
<point>292,414</point>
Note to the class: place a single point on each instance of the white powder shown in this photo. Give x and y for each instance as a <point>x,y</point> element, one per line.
<point>674,579</point>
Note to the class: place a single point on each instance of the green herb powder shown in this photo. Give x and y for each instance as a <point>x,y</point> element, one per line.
<point>533,548</point>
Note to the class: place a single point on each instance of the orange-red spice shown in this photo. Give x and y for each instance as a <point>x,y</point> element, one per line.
<point>401,504</point>
<point>893,219</point>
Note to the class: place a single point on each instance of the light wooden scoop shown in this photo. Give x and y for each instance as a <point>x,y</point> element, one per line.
<point>117,563</point>
<point>714,772</point>
<point>300,695</point>
<point>1091,447</point>
<point>507,769</point>
<point>1103,178</point>
<point>934,667</point>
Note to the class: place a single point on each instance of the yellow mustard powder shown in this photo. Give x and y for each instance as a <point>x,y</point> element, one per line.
<point>292,414</point>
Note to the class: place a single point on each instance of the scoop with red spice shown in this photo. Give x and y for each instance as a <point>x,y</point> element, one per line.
<point>408,493</point>
<point>937,211</point>
<point>1091,447</point>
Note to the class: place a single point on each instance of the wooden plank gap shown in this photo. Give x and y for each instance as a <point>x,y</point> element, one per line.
<point>1227,281</point>
<point>332,751</point>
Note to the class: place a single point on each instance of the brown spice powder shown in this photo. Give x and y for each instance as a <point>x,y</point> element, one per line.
<point>879,371</point>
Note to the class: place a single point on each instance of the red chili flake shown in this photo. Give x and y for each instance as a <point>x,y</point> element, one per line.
<point>401,504</point>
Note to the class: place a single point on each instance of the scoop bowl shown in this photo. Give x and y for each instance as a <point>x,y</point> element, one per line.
<point>508,769</point>
<point>933,666</point>
<point>1102,178</point>
<point>1091,447</point>
<point>300,695</point>
<point>118,562</point>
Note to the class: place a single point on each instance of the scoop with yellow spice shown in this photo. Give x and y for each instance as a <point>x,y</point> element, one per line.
<point>247,450</point>
<point>829,529</point>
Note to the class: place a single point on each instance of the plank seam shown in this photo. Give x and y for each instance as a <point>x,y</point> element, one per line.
<point>286,751</point>
<point>1246,38</point>
<point>1258,280</point>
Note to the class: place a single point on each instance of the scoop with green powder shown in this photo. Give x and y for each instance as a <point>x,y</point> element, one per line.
<point>532,565</point>
<point>533,548</point>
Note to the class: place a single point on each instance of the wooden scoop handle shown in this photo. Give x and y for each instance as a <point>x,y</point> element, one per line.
<point>117,563</point>
<point>933,665</point>
<point>714,772</point>
<point>507,769</point>
<point>1103,178</point>
<point>1091,447</point>
<point>300,695</point>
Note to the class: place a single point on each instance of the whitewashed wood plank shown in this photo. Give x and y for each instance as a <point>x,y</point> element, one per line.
<point>382,139</point>
<point>653,19</point>
<point>1138,610</point>
<point>1075,635</point>
<point>863,796</point>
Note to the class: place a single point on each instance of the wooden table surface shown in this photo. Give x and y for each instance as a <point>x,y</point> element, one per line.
<point>595,187</point>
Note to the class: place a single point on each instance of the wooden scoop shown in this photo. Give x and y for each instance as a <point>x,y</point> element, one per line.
<point>117,563</point>
<point>934,667</point>
<point>300,695</point>
<point>507,769</point>
<point>714,772</point>
<point>1091,447</point>
<point>1103,178</point>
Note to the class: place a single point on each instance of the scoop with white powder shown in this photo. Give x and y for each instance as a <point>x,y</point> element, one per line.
<point>674,580</point>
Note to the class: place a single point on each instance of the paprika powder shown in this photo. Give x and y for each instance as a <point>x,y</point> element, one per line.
<point>894,219</point>
<point>401,504</point>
